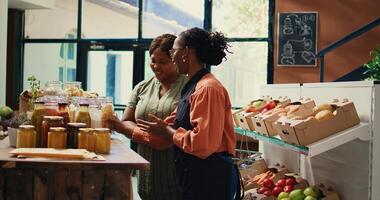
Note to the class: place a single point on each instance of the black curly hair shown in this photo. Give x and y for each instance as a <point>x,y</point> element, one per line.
<point>211,47</point>
<point>163,42</point>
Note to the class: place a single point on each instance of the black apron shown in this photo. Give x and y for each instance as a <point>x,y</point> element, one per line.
<point>201,179</point>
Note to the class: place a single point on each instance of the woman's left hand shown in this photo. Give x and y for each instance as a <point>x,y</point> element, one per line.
<point>155,126</point>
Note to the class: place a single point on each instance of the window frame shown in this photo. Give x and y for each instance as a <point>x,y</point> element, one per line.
<point>139,46</point>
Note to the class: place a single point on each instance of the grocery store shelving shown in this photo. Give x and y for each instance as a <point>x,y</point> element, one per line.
<point>360,131</point>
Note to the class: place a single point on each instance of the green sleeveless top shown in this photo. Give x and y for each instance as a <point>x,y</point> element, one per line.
<point>160,182</point>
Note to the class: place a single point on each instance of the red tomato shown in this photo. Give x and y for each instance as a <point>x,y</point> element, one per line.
<point>277,190</point>
<point>268,193</point>
<point>262,190</point>
<point>281,183</point>
<point>268,183</point>
<point>288,188</point>
<point>290,181</point>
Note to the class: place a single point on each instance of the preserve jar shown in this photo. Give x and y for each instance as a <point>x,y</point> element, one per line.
<point>47,123</point>
<point>26,137</point>
<point>57,138</point>
<point>106,111</point>
<point>63,111</point>
<point>51,109</point>
<point>103,140</point>
<point>72,134</point>
<point>37,118</point>
<point>83,116</point>
<point>53,88</point>
<point>86,139</point>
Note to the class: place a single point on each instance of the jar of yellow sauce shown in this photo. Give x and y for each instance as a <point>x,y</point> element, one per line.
<point>103,140</point>
<point>57,138</point>
<point>26,137</point>
<point>86,139</point>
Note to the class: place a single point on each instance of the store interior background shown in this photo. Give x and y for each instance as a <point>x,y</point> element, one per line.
<point>252,64</point>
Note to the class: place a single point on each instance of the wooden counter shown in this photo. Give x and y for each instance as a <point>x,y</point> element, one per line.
<point>48,178</point>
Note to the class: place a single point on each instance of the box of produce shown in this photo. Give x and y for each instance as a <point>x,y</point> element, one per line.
<point>235,118</point>
<point>263,121</point>
<point>253,108</point>
<point>278,187</point>
<point>323,121</point>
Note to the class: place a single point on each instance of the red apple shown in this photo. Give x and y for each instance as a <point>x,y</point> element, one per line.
<point>281,183</point>
<point>277,190</point>
<point>262,190</point>
<point>270,105</point>
<point>268,193</point>
<point>268,183</point>
<point>288,188</point>
<point>290,181</point>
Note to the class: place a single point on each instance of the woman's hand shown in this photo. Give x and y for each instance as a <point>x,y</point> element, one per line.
<point>155,125</point>
<point>114,123</point>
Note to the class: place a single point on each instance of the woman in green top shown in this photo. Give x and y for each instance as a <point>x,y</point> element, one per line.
<point>158,95</point>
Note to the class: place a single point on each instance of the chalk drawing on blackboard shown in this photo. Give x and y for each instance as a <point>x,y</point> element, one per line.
<point>297,39</point>
<point>288,52</point>
<point>288,27</point>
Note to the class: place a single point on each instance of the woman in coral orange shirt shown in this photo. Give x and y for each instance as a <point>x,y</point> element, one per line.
<point>202,127</point>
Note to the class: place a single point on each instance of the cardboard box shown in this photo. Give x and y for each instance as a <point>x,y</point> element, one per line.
<point>234,116</point>
<point>305,132</point>
<point>264,123</point>
<point>244,120</point>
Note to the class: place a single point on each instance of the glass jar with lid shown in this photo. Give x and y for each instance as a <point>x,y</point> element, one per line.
<point>47,123</point>
<point>73,88</point>
<point>106,111</point>
<point>72,134</point>
<point>53,88</point>
<point>63,111</point>
<point>83,115</point>
<point>37,118</point>
<point>26,137</point>
<point>86,139</point>
<point>103,140</point>
<point>57,138</point>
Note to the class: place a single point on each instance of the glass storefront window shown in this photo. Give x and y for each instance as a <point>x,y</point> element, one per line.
<point>171,16</point>
<point>109,19</point>
<point>241,18</point>
<point>110,73</point>
<point>53,59</point>
<point>147,70</point>
<point>244,71</point>
<point>51,23</point>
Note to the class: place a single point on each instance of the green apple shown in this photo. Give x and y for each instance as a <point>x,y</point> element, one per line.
<point>282,195</point>
<point>311,191</point>
<point>296,195</point>
<point>257,104</point>
<point>310,198</point>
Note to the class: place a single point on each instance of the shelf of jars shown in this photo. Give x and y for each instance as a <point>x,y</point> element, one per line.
<point>360,131</point>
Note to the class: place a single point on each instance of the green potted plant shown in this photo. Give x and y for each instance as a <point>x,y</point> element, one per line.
<point>373,67</point>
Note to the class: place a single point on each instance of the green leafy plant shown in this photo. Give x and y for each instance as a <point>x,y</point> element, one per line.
<point>34,85</point>
<point>373,67</point>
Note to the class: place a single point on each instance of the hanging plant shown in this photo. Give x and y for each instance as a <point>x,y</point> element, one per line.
<point>373,67</point>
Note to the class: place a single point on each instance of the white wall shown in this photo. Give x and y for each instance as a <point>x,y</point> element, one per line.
<point>3,48</point>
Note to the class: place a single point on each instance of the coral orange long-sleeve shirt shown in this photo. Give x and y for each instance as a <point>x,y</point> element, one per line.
<point>211,117</point>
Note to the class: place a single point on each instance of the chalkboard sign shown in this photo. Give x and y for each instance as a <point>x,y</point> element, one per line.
<point>297,39</point>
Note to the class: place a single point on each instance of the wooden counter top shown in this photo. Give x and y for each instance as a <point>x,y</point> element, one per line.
<point>120,157</point>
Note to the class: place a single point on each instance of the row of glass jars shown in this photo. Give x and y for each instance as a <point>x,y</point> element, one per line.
<point>95,140</point>
<point>95,115</point>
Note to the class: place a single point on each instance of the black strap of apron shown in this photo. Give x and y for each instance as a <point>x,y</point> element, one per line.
<point>240,187</point>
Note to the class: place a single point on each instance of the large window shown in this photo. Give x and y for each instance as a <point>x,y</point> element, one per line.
<point>109,53</point>
<point>245,23</point>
